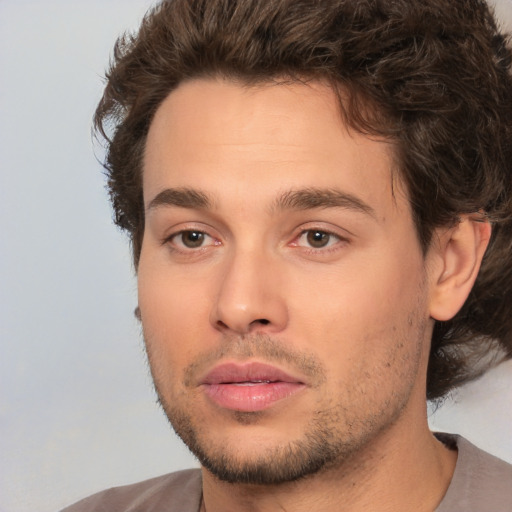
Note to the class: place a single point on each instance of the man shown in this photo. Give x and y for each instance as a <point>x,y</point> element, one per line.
<point>319,198</point>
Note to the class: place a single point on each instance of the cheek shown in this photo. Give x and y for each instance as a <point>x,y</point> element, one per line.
<point>174,312</point>
<point>362,311</point>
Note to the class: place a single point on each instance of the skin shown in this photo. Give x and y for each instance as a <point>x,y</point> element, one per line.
<point>240,276</point>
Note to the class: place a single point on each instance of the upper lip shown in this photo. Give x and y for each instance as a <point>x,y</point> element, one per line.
<point>228,373</point>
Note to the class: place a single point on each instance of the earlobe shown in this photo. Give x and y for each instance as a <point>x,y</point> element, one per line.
<point>459,254</point>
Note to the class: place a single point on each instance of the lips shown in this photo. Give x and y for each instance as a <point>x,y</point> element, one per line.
<point>249,387</point>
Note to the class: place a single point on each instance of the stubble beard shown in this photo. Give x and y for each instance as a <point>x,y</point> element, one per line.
<point>330,439</point>
<point>319,448</point>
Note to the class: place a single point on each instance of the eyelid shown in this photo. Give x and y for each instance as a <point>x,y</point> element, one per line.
<point>181,228</point>
<point>328,233</point>
<point>175,228</point>
<point>341,236</point>
<point>341,233</point>
<point>183,246</point>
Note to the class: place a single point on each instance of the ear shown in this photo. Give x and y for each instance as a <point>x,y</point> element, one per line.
<point>457,255</point>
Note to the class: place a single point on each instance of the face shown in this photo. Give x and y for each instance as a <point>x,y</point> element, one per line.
<point>282,288</point>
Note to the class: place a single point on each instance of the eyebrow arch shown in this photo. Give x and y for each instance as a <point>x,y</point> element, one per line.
<point>311,198</point>
<point>181,197</point>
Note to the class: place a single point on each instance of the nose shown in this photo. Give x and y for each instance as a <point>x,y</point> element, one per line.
<point>250,296</point>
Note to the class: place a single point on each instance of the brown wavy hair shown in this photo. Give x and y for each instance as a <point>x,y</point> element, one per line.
<point>432,75</point>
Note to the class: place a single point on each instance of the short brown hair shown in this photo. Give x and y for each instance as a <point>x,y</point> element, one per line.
<point>437,74</point>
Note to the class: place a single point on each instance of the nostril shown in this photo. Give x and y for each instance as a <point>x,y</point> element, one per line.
<point>259,321</point>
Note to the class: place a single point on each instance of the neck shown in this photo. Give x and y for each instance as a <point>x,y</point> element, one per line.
<point>404,468</point>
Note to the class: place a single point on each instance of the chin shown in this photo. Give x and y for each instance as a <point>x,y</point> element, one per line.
<point>255,458</point>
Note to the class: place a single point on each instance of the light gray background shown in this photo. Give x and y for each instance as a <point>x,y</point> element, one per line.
<point>77,410</point>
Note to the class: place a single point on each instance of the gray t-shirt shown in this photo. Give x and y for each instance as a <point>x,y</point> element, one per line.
<point>480,483</point>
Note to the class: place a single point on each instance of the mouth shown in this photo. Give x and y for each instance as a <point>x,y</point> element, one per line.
<point>249,387</point>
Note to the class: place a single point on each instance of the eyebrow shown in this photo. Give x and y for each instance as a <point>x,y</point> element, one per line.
<point>301,199</point>
<point>317,198</point>
<point>181,197</point>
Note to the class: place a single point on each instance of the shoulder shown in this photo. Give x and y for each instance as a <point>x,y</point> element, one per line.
<point>480,481</point>
<point>180,491</point>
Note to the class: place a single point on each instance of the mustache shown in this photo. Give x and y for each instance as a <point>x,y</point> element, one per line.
<point>261,346</point>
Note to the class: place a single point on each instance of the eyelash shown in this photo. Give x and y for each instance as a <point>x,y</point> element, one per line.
<point>332,244</point>
<point>183,248</point>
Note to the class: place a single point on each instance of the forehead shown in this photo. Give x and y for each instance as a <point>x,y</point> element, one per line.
<point>231,138</point>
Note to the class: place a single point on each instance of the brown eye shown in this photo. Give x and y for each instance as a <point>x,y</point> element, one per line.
<point>192,239</point>
<point>318,239</point>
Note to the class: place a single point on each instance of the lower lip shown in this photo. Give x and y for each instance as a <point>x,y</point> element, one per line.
<point>251,397</point>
